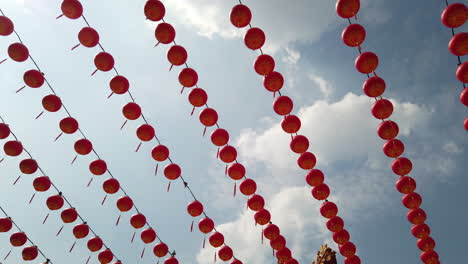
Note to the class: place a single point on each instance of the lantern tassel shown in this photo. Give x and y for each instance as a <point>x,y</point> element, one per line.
<point>168,186</point>
<point>39,115</point>
<point>375,74</point>
<point>3,61</point>
<point>17,179</point>
<point>138,148</point>
<point>133,237</point>
<point>89,258</point>
<point>225,170</point>
<point>235,188</point>
<point>7,255</point>
<point>193,110</point>
<point>59,16</point>
<point>94,72</point>
<point>103,200</point>
<point>110,95</point>
<point>156,170</point>
<point>262,236</point>
<point>191,227</point>
<point>274,94</point>
<point>90,181</point>
<point>60,231</point>
<point>20,89</point>
<point>273,252</point>
<point>76,46</point>
<point>73,161</point>
<point>156,45</point>
<point>32,198</point>
<point>204,241</point>
<point>143,252</point>
<point>118,220</point>
<point>172,65</point>
<point>58,137</point>
<point>355,16</point>
<point>72,247</point>
<point>45,219</point>
<point>217,153</point>
<point>181,91</point>
<point>2,160</point>
<point>215,256</point>
<point>204,131</point>
<point>123,124</point>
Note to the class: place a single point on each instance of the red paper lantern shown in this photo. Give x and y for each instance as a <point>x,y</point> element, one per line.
<point>160,153</point>
<point>458,45</point>
<point>353,260</point>
<point>6,26</point>
<point>264,64</point>
<point>271,232</point>
<point>462,72</point>
<point>119,84</point>
<point>463,97</point>
<point>236,171</point>
<point>382,109</point>
<point>273,81</point>
<point>30,253</point>
<point>321,192</point>
<point>28,166</point>
<point>105,256</point>
<point>393,148</point>
<point>18,52</point>
<point>248,187</point>
<point>353,35</point>
<point>68,125</point>
<point>416,216</point>
<point>335,224</point>
<point>172,171</point>
<point>160,250</point>
<point>388,130</point>
<point>195,208</point>
<point>430,257</point>
<point>220,137</point>
<point>55,202</point>
<point>125,204</point>
<point>88,37</point>
<point>240,16</point>
<point>148,236</point>
<point>283,255</point>
<point>165,33</point>
<point>329,210</point>
<point>402,166</point>
<point>198,97</point>
<point>283,105</point>
<point>83,146</point>
<point>98,167</point>
<point>256,203</point>
<point>4,131</point>
<point>13,148</point>
<point>154,10</point>
<point>341,237</point>
<point>465,124</point>
<point>348,249</point>
<point>208,117</point>
<point>427,244</point>
<point>171,260</point>
<point>131,111</point>
<point>315,177</point>
<point>72,9</point>
<point>406,185</point>
<point>228,154</point>
<point>299,144</point>
<point>262,217</point>
<point>177,55</point>
<point>111,186</point>
<point>412,200</point>
<point>145,132</point>
<point>225,253</point>
<point>42,184</point>
<point>5,225</point>
<point>104,61</point>
<point>138,220</point>
<point>69,215</point>
<point>51,103</point>
<point>347,8</point>
<point>366,62</point>
<point>454,15</point>
<point>33,78</point>
<point>206,225</point>
<point>278,243</point>
<point>306,161</point>
<point>216,239</point>
<point>95,244</point>
<point>421,231</point>
<point>188,77</point>
<point>81,231</point>
<point>374,86</point>
<point>254,38</point>
<point>291,124</point>
<point>236,261</point>
<point>18,239</point>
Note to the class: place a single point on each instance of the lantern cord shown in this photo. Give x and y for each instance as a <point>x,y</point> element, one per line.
<point>20,230</point>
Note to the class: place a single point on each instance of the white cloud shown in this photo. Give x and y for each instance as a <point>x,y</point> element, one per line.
<point>325,87</point>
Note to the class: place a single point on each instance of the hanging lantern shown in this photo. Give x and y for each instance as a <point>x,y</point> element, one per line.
<point>463,98</point>
<point>430,257</point>
<point>83,146</point>
<point>72,9</point>
<point>248,187</point>
<point>273,82</point>
<point>98,167</point>
<point>105,256</point>
<point>353,35</point>
<point>283,255</point>
<point>18,52</point>
<point>13,148</point>
<point>104,61</point>
<point>341,237</point>
<point>148,236</point>
<point>366,62</point>
<point>387,130</point>
<point>406,185</point>
<point>5,225</point>
<point>172,171</point>
<point>111,186</point>
<point>69,215</point>
<point>154,10</point>
<point>347,8</point>
<point>81,231</point>
<point>454,15</point>
<point>271,232</point>
<point>30,253</point>
<point>33,78</point>
<point>236,171</point>
<point>198,97</point>
<point>138,221</point>
<point>402,166</point>
<point>177,55</point>
<point>55,202</point>
<point>160,250</point>
<point>465,124</point>
<point>458,45</point>
<point>195,208</point>
<point>256,202</point>
<point>206,225</point>
<point>208,117</point>
<point>382,109</point>
<point>264,64</point>
<point>216,239</point>
<point>306,161</point>
<point>4,131</point>
<point>28,166</point>
<point>393,148</point>
<point>348,249</point>
<point>240,16</point>
<point>165,33</point>
<point>95,244</point>
<point>329,210</point>
<point>283,105</point>
<point>125,204</point>
<point>412,200</point>
<point>427,244</point>
<point>254,38</point>
<point>291,124</point>
<point>416,216</point>
<point>299,144</point>
<point>321,192</point>
<point>353,260</point>
<point>335,224</point>
<point>421,231</point>
<point>131,111</point>
<point>228,154</point>
<point>262,217</point>
<point>88,37</point>
<point>160,153</point>
<point>119,84</point>
<point>145,132</point>
<point>42,184</point>
<point>374,86</point>
<point>220,137</point>
<point>68,125</point>
<point>225,253</point>
<point>278,243</point>
<point>6,26</point>
<point>171,260</point>
<point>18,239</point>
<point>51,103</point>
<point>462,72</point>
<point>188,77</point>
<point>236,261</point>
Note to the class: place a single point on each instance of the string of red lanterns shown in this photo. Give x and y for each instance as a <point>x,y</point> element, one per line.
<point>19,239</point>
<point>84,146</point>
<point>454,16</point>
<point>366,63</point>
<point>165,33</point>
<point>55,202</point>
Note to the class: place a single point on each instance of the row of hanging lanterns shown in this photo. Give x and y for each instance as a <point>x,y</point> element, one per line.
<point>366,63</point>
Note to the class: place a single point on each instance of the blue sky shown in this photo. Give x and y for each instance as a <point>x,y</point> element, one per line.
<point>304,37</point>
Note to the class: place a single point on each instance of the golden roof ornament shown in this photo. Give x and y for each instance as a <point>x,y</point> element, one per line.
<point>326,255</point>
